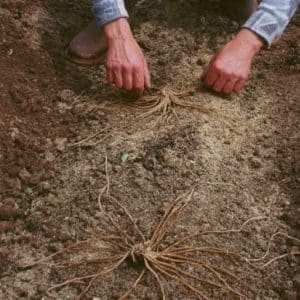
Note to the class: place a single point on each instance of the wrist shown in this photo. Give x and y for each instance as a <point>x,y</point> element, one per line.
<point>117,29</point>
<point>250,40</point>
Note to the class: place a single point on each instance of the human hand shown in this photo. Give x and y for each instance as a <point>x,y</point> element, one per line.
<point>126,66</point>
<point>229,69</point>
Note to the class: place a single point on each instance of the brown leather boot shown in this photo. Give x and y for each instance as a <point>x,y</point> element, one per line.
<point>239,10</point>
<point>88,47</point>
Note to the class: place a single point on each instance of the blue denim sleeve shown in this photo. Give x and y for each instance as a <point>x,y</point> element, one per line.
<point>271,18</point>
<point>106,11</point>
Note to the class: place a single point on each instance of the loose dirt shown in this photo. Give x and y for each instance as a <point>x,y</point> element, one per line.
<point>57,127</point>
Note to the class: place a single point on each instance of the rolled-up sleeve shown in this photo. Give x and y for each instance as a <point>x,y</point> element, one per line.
<point>106,11</point>
<point>271,18</point>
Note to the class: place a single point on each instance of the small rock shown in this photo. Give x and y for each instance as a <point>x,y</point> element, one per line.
<point>204,227</point>
<point>60,144</point>
<point>49,156</point>
<point>10,52</point>
<point>255,163</point>
<point>66,95</point>
<point>24,175</point>
<point>63,107</point>
<point>45,186</point>
<point>201,62</point>
<point>14,133</point>
<point>117,168</point>
<point>28,191</point>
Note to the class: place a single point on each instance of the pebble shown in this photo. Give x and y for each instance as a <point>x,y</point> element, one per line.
<point>66,95</point>
<point>204,227</point>
<point>45,186</point>
<point>28,191</point>
<point>24,175</point>
<point>49,156</point>
<point>255,163</point>
<point>60,144</point>
<point>201,62</point>
<point>14,133</point>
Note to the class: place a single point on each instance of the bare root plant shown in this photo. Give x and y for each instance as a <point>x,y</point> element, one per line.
<point>164,103</point>
<point>107,252</point>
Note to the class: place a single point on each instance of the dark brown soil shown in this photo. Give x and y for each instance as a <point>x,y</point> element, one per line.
<point>242,160</point>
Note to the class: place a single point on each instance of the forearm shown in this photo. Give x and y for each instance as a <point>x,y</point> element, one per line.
<point>118,29</point>
<point>106,11</point>
<point>271,18</point>
<point>249,40</point>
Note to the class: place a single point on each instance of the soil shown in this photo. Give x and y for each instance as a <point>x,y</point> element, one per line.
<point>242,159</point>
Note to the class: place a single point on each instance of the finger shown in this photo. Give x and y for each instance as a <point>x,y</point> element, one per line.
<point>138,79</point>
<point>127,80</point>
<point>239,85</point>
<point>211,77</point>
<point>118,79</point>
<point>229,86</point>
<point>219,84</point>
<point>147,77</point>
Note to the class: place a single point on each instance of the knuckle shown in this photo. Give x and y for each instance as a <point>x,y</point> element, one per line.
<point>137,67</point>
<point>218,66</point>
<point>115,67</point>
<point>127,67</point>
<point>227,74</point>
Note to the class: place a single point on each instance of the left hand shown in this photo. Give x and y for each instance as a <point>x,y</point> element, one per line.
<point>229,69</point>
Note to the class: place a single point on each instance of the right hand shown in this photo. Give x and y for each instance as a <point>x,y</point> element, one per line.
<point>126,65</point>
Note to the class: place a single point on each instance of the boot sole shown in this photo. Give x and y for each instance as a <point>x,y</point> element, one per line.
<point>93,61</point>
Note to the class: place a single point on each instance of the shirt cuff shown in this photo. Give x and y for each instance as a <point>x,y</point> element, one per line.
<point>271,18</point>
<point>108,12</point>
<point>266,31</point>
